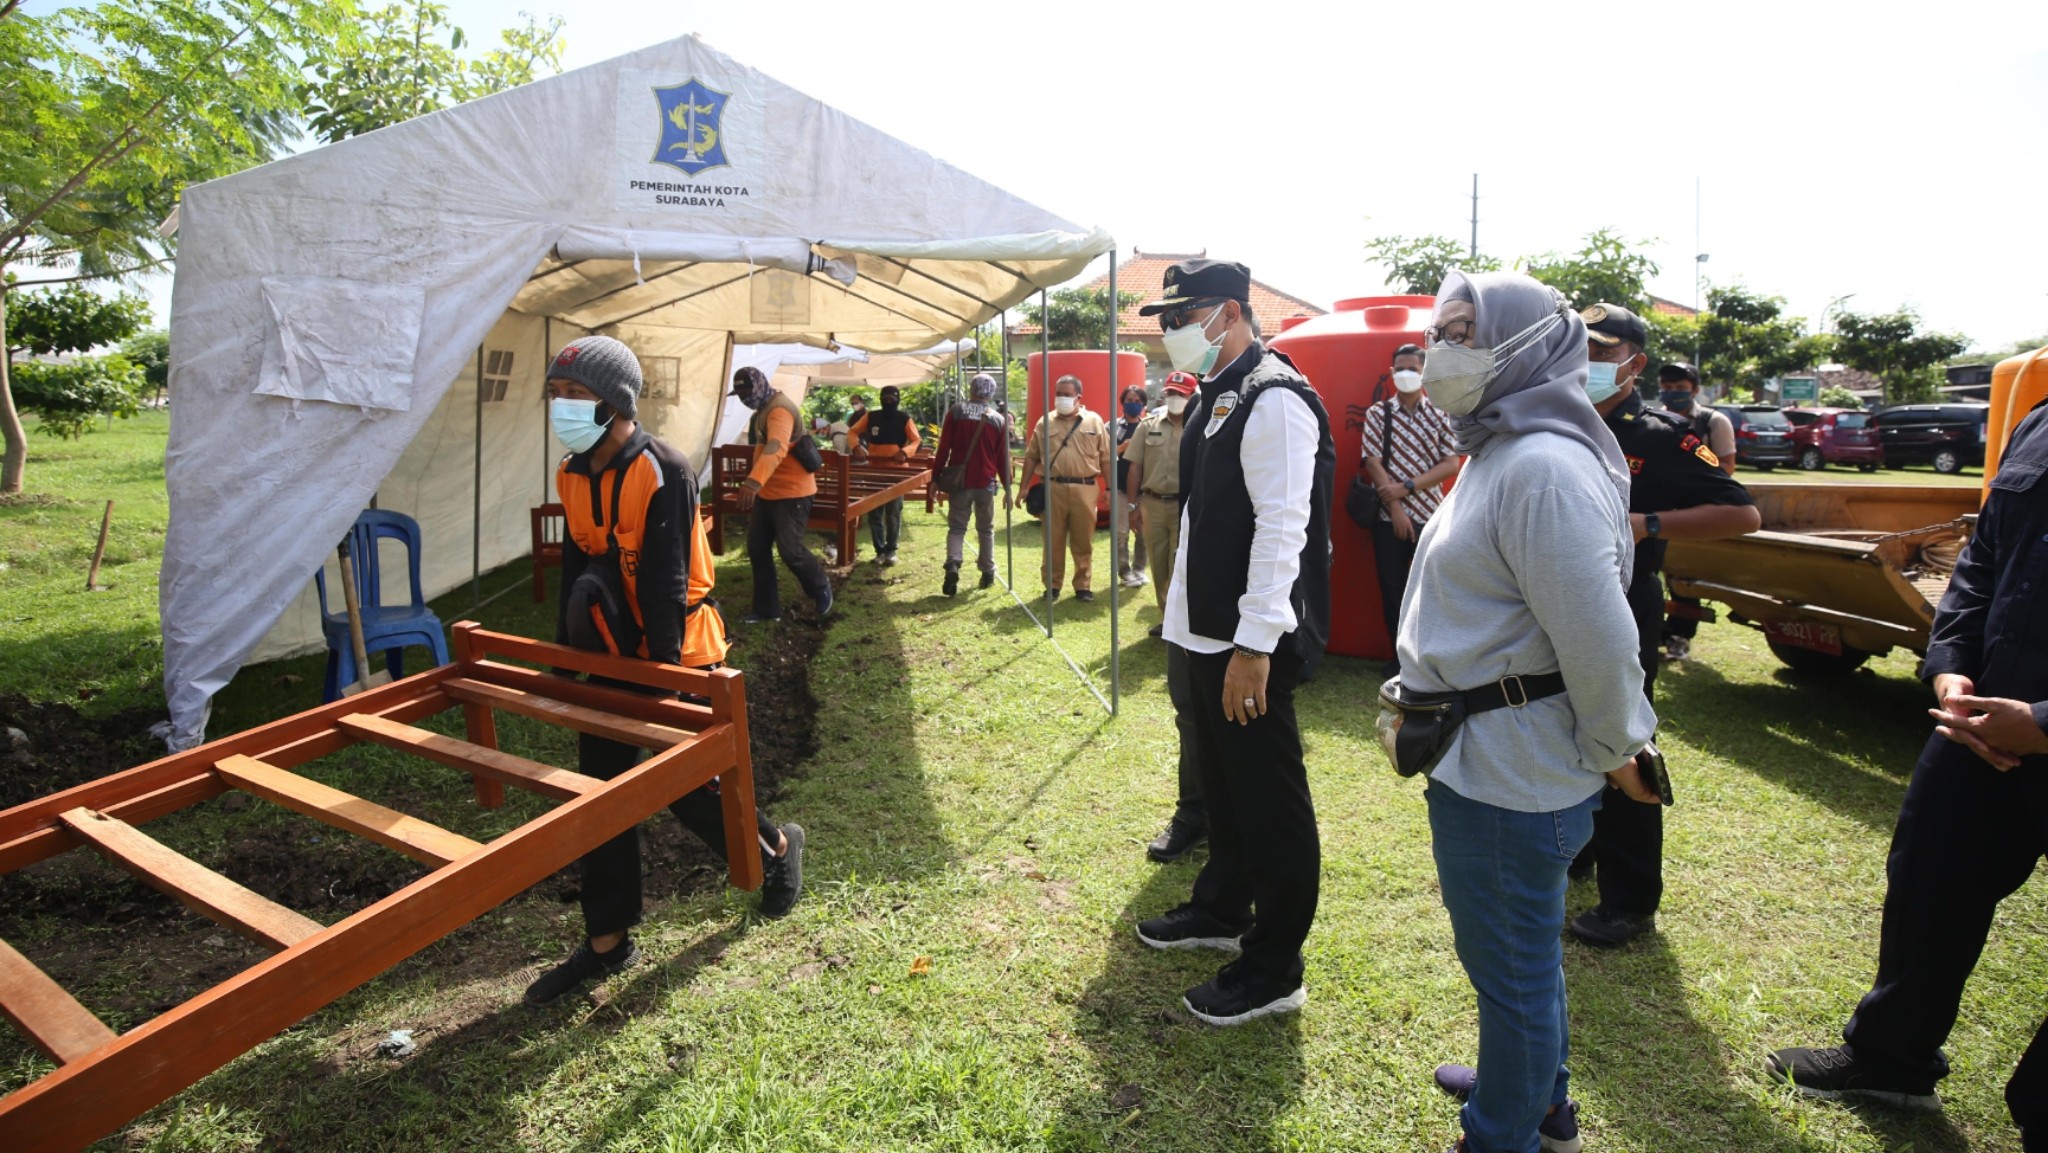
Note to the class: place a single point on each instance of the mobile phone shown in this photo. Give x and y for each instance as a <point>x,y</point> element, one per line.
<point>1650,762</point>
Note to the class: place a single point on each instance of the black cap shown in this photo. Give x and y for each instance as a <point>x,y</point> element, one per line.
<point>1677,370</point>
<point>1200,279</point>
<point>1610,323</point>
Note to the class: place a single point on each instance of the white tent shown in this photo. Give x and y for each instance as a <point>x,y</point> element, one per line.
<point>371,318</point>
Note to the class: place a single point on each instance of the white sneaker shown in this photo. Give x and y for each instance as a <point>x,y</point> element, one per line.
<point>1134,580</point>
<point>1677,648</point>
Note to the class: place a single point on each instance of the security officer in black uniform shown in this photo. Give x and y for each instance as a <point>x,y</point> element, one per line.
<point>1677,491</point>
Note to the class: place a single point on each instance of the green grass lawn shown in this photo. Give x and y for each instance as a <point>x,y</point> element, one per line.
<point>970,803</point>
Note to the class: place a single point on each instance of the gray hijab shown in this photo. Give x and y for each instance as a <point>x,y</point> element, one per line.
<point>1543,389</point>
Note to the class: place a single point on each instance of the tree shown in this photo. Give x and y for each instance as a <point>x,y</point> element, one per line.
<point>1605,269</point>
<point>1835,396</point>
<point>112,110</point>
<point>1741,341</point>
<point>1891,347</point>
<point>150,352</point>
<point>394,67</point>
<point>1080,316</point>
<point>71,319</point>
<point>69,397</point>
<point>1417,265</point>
<point>66,321</point>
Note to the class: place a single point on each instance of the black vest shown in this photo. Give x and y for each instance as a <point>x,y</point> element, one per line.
<point>1219,507</point>
<point>886,427</point>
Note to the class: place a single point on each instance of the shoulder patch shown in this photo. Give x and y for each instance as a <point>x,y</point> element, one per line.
<point>1697,447</point>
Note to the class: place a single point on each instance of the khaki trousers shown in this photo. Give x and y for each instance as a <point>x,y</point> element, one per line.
<point>1070,510</point>
<point>1162,541</point>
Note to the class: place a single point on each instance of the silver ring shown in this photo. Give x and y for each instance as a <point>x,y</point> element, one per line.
<point>1251,702</point>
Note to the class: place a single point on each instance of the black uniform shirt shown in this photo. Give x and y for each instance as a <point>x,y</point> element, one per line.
<point>1669,468</point>
<point>1989,627</point>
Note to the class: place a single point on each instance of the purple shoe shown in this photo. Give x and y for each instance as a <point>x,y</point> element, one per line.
<point>1559,1132</point>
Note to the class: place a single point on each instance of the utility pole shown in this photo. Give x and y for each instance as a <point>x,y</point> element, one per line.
<point>1475,218</point>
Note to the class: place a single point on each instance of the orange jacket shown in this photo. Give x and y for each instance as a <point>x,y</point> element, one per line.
<point>776,475</point>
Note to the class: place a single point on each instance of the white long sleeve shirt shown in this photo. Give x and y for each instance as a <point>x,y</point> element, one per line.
<point>1279,452</point>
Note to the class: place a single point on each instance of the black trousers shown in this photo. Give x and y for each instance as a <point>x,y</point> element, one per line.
<point>1968,837</point>
<point>777,526</point>
<point>885,526</point>
<point>1628,836</point>
<point>1265,857</point>
<point>611,872</point>
<point>1393,557</point>
<point>1190,808</point>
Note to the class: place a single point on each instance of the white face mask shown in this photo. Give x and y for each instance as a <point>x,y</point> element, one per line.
<point>1175,404</point>
<point>1065,404</point>
<point>1456,377</point>
<point>1407,380</point>
<point>575,423</point>
<point>1189,349</point>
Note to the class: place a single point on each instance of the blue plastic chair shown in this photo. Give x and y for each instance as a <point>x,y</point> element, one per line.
<point>386,628</point>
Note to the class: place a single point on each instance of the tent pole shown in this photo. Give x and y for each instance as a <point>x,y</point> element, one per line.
<point>1009,545</point>
<point>1116,501</point>
<point>1045,443</point>
<point>476,507</point>
<point>547,357</point>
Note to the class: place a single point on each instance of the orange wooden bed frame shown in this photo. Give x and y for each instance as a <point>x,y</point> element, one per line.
<point>103,1080</point>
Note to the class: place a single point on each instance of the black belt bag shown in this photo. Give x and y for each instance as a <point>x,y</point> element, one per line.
<point>1416,728</point>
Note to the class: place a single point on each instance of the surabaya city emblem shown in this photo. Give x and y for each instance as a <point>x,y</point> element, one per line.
<point>692,139</point>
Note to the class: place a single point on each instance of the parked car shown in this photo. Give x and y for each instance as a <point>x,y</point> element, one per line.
<point>1825,436</point>
<point>1948,436</point>
<point>1763,437</point>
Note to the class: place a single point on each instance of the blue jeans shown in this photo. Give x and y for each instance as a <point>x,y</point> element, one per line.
<point>1503,880</point>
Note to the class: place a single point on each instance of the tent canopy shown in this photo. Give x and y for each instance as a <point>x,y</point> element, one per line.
<point>674,198</point>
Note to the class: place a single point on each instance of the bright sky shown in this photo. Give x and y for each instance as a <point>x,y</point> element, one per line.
<point>1892,152</point>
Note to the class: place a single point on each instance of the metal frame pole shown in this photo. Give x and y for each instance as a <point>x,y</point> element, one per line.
<point>1116,502</point>
<point>476,505</point>
<point>1045,442</point>
<point>1009,545</point>
<point>547,358</point>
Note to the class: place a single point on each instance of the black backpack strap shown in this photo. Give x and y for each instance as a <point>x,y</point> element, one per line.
<point>1387,435</point>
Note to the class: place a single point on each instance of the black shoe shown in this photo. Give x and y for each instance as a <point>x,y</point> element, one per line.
<point>1174,843</point>
<point>825,604</point>
<point>782,878</point>
<point>583,965</point>
<point>952,585</point>
<point>988,579</point>
<point>1052,594</point>
<point>1156,631</point>
<point>1084,594</point>
<point>1833,1073</point>
<point>1187,927</point>
<point>1604,930</point>
<point>1582,868</point>
<point>1236,995</point>
<point>1557,1133</point>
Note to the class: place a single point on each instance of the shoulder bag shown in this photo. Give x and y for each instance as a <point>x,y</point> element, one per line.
<point>952,479</point>
<point>1362,502</point>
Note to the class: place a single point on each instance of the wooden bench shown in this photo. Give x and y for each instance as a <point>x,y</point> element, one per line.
<point>548,522</point>
<point>846,491</point>
<point>104,1080</point>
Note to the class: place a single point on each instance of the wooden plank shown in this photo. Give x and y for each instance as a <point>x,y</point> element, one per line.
<point>480,724</point>
<point>584,720</point>
<point>86,1100</point>
<point>547,780</point>
<point>202,784</point>
<point>44,1012</point>
<point>424,842</point>
<point>256,917</point>
<point>654,674</point>
<point>662,710</point>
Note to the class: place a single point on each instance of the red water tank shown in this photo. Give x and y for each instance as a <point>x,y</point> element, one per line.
<point>1092,367</point>
<point>1348,356</point>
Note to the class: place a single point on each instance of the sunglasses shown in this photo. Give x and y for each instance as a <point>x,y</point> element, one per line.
<point>1179,317</point>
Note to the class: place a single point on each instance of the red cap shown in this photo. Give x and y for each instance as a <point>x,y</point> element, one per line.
<point>1180,382</point>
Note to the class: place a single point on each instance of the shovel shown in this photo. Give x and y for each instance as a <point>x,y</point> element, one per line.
<point>369,679</point>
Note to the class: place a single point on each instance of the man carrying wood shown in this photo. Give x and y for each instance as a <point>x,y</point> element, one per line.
<point>637,574</point>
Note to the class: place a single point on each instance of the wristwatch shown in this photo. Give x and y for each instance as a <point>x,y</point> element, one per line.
<point>1251,654</point>
<point>1651,525</point>
<point>1411,486</point>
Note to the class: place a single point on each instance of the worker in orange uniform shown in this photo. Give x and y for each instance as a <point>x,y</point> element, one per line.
<point>777,495</point>
<point>637,574</point>
<point>891,435</point>
<point>1070,448</point>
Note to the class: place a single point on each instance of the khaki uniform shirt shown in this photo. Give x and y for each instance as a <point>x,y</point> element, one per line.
<point>1154,453</point>
<point>1086,454</point>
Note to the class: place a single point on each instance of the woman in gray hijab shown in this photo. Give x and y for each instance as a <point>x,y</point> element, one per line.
<point>1517,606</point>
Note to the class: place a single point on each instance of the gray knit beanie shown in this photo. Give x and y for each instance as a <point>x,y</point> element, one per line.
<point>604,366</point>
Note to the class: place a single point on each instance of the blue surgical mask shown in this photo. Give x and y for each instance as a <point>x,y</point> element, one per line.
<point>1601,382</point>
<point>1676,398</point>
<point>1133,409</point>
<point>575,423</point>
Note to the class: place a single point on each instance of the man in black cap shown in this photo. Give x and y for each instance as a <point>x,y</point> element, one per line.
<point>1251,605</point>
<point>1677,491</point>
<point>1678,386</point>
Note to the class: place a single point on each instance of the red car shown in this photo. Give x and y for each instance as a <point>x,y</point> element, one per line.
<point>1825,436</point>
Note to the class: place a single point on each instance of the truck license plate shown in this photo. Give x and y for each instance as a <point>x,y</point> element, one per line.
<point>1806,635</point>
